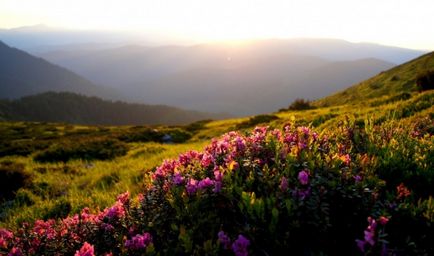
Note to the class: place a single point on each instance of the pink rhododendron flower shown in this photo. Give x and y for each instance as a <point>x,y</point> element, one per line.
<point>85,250</point>
<point>116,211</point>
<point>139,242</point>
<point>124,198</point>
<point>15,252</point>
<point>5,236</point>
<point>303,177</point>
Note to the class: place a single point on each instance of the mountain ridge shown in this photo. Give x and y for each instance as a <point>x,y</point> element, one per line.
<point>67,107</point>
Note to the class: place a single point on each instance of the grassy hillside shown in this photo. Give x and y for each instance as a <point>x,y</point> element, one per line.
<point>79,109</point>
<point>394,81</point>
<point>345,179</point>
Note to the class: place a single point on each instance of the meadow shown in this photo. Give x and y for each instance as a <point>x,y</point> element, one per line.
<point>351,179</point>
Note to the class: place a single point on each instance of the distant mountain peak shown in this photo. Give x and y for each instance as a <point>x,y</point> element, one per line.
<point>36,27</point>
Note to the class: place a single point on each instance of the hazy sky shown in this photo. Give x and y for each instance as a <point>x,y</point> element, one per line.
<point>406,23</point>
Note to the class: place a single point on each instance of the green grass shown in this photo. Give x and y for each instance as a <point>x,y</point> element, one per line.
<point>96,183</point>
<point>389,83</point>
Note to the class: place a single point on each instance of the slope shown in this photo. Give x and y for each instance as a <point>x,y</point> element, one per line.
<point>396,80</point>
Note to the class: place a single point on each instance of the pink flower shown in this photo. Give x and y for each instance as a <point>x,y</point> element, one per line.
<point>124,198</point>
<point>206,160</point>
<point>15,252</point>
<point>117,211</point>
<point>139,242</point>
<point>86,250</point>
<point>383,220</point>
<point>218,175</point>
<point>303,177</point>
<point>5,237</point>
<point>346,159</point>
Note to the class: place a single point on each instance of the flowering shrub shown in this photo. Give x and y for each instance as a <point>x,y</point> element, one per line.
<point>263,193</point>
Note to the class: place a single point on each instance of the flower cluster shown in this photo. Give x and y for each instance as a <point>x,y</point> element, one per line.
<point>290,188</point>
<point>372,235</point>
<point>79,233</point>
<point>139,242</point>
<point>239,246</point>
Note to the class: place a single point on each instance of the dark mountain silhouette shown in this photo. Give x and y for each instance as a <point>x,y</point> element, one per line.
<point>22,74</point>
<point>78,109</point>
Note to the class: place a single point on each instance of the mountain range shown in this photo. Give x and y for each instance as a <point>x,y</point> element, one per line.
<point>241,79</point>
<point>22,74</point>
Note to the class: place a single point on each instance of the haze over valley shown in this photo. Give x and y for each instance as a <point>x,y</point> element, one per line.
<point>239,78</point>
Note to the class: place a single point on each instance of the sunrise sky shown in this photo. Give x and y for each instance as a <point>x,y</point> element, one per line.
<point>405,23</point>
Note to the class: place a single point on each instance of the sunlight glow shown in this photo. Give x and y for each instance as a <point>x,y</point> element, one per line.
<point>405,23</point>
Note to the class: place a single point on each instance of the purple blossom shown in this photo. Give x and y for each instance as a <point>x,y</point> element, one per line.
<point>85,250</point>
<point>205,183</point>
<point>301,193</point>
<point>361,245</point>
<point>239,247</point>
<point>369,237</point>
<point>240,144</point>
<point>303,177</point>
<point>178,179</point>
<point>217,187</point>
<point>357,178</point>
<point>139,242</point>
<point>191,186</point>
<point>107,227</point>
<point>370,234</point>
<point>224,240</point>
